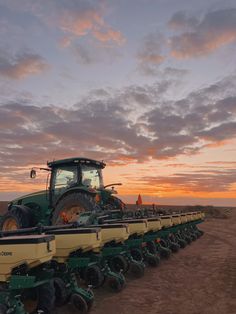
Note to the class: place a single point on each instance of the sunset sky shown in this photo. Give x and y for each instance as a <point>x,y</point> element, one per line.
<point>148,86</point>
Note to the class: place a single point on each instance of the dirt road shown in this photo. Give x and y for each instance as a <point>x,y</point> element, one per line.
<point>200,279</point>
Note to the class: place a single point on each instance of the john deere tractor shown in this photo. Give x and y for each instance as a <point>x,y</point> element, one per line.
<point>75,187</point>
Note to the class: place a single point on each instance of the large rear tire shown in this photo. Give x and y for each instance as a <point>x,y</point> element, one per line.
<point>71,206</point>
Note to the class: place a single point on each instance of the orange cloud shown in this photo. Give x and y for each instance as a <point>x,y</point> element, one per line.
<point>109,35</point>
<point>217,144</point>
<point>152,58</point>
<point>81,23</point>
<point>190,45</point>
<point>23,66</point>
<point>65,42</point>
<point>217,29</point>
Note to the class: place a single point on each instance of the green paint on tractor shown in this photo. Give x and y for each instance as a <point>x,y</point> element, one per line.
<point>75,186</point>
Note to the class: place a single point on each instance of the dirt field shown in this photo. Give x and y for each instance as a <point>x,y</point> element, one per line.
<point>200,279</point>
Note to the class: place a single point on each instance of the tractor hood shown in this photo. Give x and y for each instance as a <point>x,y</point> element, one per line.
<point>39,198</point>
<point>34,194</point>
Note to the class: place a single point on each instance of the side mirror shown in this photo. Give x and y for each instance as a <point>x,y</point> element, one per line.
<point>33,174</point>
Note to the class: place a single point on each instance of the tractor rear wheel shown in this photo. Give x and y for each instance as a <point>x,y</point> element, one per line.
<point>14,219</point>
<point>71,206</point>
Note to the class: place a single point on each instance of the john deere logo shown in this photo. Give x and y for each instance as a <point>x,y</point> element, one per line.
<point>5,253</point>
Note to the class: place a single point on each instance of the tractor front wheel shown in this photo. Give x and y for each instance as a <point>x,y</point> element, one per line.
<point>14,219</point>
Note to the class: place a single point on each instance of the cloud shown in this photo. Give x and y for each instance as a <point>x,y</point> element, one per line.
<point>207,181</point>
<point>22,66</point>
<point>151,54</point>
<point>130,125</point>
<point>84,55</point>
<point>91,52</point>
<point>180,20</point>
<point>81,18</point>
<point>73,19</point>
<point>215,30</point>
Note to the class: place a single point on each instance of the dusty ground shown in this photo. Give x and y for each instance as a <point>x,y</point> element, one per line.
<point>200,279</point>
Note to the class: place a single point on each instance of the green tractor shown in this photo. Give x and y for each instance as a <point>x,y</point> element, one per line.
<point>75,187</point>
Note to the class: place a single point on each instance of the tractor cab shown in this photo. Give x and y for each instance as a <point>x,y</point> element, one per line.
<point>74,173</point>
<point>75,187</point>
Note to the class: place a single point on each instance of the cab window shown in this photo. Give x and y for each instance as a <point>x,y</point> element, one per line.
<point>65,177</point>
<point>91,177</point>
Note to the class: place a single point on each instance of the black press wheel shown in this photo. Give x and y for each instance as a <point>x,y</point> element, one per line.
<point>93,276</point>
<point>164,243</point>
<point>182,243</point>
<point>153,260</point>
<point>187,239</point>
<point>3,309</point>
<point>136,254</point>
<point>136,269</point>
<point>46,297</point>
<point>165,252</point>
<point>193,236</point>
<point>174,247</point>
<point>201,233</point>
<point>79,303</point>
<point>90,301</point>
<point>61,294</point>
<point>151,246</point>
<point>115,284</point>
<point>119,263</point>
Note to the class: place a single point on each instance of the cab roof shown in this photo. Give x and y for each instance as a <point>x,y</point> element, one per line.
<point>76,160</point>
